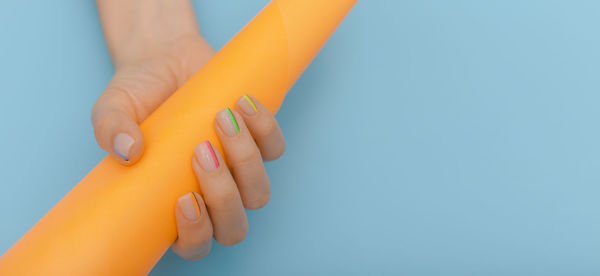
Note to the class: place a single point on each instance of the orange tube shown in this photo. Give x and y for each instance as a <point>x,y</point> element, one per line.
<point>120,220</point>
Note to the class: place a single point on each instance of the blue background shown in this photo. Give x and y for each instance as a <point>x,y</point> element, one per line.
<point>429,137</point>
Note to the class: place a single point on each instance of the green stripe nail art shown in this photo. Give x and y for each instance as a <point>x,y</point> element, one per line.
<point>237,128</point>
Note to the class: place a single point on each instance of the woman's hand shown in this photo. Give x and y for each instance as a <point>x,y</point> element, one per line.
<point>249,134</point>
<point>155,47</point>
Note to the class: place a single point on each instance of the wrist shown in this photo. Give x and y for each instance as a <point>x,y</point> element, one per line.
<point>139,29</point>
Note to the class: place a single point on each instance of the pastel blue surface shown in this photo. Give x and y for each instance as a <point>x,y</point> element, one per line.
<point>428,138</point>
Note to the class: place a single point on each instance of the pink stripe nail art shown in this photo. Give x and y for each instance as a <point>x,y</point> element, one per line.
<point>212,153</point>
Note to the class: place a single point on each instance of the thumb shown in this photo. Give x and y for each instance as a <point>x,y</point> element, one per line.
<point>115,126</point>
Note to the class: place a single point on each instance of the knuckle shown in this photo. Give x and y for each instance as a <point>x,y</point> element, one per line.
<point>196,252</point>
<point>100,121</point>
<point>102,126</point>
<point>221,196</point>
<point>106,122</point>
<point>257,201</point>
<point>245,155</point>
<point>233,237</point>
<point>265,128</point>
<point>275,153</point>
<point>197,241</point>
<point>204,251</point>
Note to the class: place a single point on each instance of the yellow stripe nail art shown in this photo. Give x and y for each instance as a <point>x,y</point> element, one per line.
<point>250,101</point>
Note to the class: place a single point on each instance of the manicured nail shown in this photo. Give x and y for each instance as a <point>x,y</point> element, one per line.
<point>189,207</point>
<point>123,143</point>
<point>206,156</point>
<point>227,122</point>
<point>247,105</point>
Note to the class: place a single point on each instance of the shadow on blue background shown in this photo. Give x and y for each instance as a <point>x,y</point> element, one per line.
<point>428,137</point>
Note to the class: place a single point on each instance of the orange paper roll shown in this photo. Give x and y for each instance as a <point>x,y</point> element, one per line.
<point>120,220</point>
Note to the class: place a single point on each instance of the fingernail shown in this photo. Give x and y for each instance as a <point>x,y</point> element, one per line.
<point>247,105</point>
<point>123,143</point>
<point>189,207</point>
<point>227,122</point>
<point>206,156</point>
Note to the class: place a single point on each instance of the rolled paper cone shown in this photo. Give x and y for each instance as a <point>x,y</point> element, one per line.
<point>120,220</point>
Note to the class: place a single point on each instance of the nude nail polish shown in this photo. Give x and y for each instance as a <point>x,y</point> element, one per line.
<point>247,105</point>
<point>189,206</point>
<point>123,143</point>
<point>205,155</point>
<point>227,122</point>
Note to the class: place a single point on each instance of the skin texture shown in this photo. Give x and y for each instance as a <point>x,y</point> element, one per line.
<point>155,46</point>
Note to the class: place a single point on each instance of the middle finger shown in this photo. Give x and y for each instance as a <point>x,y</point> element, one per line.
<point>244,158</point>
